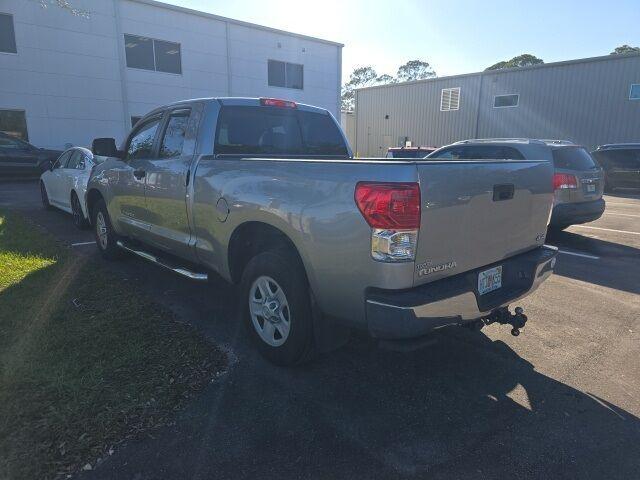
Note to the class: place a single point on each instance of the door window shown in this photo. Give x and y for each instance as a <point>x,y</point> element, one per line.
<point>174,133</point>
<point>141,143</point>
<point>9,143</point>
<point>63,159</point>
<point>479,152</point>
<point>75,159</point>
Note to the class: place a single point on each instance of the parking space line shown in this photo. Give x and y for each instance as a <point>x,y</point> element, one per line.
<point>576,254</point>
<point>82,243</point>
<point>606,229</point>
<point>623,214</point>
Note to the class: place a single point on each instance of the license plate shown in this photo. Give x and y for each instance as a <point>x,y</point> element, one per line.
<point>591,188</point>
<point>490,280</point>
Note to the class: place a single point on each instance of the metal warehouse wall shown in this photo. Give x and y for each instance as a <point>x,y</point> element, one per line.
<point>586,101</point>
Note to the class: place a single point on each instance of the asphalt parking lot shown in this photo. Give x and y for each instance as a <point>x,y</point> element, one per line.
<point>560,401</point>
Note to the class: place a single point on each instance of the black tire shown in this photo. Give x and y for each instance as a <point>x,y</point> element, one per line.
<point>107,245</point>
<point>287,271</point>
<point>44,196</point>
<point>76,211</point>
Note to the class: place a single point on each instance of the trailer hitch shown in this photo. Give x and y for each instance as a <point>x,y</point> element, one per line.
<point>504,317</point>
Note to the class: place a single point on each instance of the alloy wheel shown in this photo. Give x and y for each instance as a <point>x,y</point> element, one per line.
<point>101,231</point>
<point>269,310</point>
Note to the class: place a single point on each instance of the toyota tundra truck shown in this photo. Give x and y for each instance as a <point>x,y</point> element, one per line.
<point>267,194</point>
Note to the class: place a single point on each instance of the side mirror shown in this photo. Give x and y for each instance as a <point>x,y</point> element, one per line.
<point>105,147</point>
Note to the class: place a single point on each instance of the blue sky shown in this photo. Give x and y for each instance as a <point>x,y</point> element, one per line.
<point>454,36</point>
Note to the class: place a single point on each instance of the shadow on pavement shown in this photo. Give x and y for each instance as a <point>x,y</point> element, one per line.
<point>618,273</point>
<point>466,407</point>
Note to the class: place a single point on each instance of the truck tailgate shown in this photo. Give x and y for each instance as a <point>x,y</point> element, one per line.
<point>475,213</point>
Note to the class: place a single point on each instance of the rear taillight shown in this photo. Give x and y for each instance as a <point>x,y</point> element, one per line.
<point>392,210</point>
<point>389,205</point>
<point>564,180</point>
<point>276,102</point>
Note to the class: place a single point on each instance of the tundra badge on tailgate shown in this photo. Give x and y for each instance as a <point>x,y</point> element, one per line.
<point>426,268</point>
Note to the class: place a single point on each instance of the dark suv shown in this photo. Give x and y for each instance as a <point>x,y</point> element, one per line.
<point>578,180</point>
<point>21,159</point>
<point>621,164</point>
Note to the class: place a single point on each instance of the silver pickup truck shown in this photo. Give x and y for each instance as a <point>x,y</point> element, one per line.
<point>266,193</point>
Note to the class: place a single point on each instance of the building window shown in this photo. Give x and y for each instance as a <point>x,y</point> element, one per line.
<point>285,74</point>
<point>450,99</point>
<point>7,34</point>
<point>502,101</point>
<point>634,93</point>
<point>149,54</point>
<point>14,123</point>
<point>135,120</point>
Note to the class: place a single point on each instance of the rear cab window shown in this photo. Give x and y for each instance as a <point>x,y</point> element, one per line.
<point>275,131</point>
<point>573,158</point>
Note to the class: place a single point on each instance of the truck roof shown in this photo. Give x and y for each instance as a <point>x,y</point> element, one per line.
<point>241,101</point>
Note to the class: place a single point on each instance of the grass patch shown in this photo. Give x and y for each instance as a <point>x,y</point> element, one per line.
<point>86,360</point>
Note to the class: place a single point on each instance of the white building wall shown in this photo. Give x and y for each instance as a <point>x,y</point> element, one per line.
<point>70,77</point>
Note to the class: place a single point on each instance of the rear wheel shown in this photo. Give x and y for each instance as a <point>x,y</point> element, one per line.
<point>106,237</point>
<point>277,307</point>
<point>44,197</point>
<point>79,220</point>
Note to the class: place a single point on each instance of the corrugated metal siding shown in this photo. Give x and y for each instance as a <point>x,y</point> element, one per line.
<point>587,102</point>
<point>414,112</point>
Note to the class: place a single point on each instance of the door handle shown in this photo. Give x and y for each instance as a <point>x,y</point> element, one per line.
<point>139,174</point>
<point>503,192</point>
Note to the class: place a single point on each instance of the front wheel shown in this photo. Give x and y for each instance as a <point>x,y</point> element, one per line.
<point>106,237</point>
<point>277,307</point>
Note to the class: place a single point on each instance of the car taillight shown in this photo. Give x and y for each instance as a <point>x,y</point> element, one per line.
<point>392,210</point>
<point>276,102</point>
<point>564,180</point>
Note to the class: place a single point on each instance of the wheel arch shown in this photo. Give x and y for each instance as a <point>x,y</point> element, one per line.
<point>253,237</point>
<point>93,197</point>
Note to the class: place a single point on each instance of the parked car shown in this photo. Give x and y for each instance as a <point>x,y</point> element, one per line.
<point>21,159</point>
<point>578,181</point>
<point>64,184</point>
<point>267,194</point>
<point>621,164</point>
<point>409,152</point>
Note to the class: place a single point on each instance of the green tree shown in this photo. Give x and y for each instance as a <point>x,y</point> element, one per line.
<point>414,70</point>
<point>359,78</point>
<point>622,49</point>
<point>524,60</point>
<point>65,5</point>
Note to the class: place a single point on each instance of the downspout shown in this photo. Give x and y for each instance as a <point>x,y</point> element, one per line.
<point>340,82</point>
<point>226,39</point>
<point>121,61</point>
<point>478,106</point>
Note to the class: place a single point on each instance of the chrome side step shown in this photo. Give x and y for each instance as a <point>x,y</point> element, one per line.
<point>199,277</point>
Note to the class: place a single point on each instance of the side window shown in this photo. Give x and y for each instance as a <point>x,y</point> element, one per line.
<point>76,158</point>
<point>174,133</point>
<point>511,153</point>
<point>141,143</point>
<point>63,159</point>
<point>11,143</point>
<point>453,153</point>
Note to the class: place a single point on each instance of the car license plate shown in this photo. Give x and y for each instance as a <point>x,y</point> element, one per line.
<point>591,188</point>
<point>490,280</point>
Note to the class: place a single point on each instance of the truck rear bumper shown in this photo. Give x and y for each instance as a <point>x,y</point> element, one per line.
<point>402,314</point>
<point>574,213</point>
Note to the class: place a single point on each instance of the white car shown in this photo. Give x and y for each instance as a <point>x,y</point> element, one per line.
<point>64,184</point>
